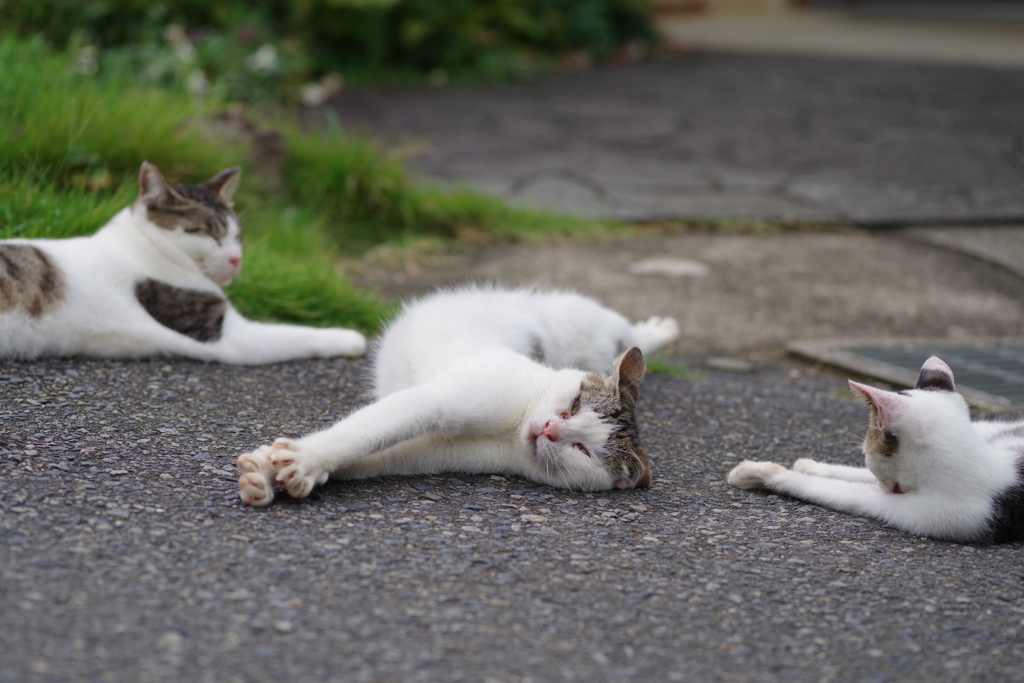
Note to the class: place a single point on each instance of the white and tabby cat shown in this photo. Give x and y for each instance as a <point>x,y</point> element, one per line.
<point>148,283</point>
<point>930,470</point>
<point>485,380</point>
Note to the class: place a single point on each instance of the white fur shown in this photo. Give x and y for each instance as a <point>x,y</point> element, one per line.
<point>100,315</point>
<point>456,391</point>
<point>949,469</point>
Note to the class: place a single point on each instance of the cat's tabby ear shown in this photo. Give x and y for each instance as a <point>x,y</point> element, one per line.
<point>935,376</point>
<point>154,190</point>
<point>629,373</point>
<point>224,184</point>
<point>888,405</point>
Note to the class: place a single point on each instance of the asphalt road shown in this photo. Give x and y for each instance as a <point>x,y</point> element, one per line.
<point>126,556</point>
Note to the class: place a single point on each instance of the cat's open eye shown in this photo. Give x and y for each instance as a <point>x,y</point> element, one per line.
<point>582,447</point>
<point>575,406</point>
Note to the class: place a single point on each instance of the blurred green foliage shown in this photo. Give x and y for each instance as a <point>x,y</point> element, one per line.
<point>246,50</point>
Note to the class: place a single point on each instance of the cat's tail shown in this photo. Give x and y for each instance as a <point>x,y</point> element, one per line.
<point>654,334</point>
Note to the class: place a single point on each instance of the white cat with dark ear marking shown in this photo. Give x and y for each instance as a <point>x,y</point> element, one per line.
<point>484,380</point>
<point>148,284</point>
<point>930,470</point>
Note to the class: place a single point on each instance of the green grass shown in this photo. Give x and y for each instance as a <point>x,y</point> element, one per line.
<point>291,275</point>
<point>368,198</point>
<point>63,127</point>
<point>663,367</point>
<point>41,208</point>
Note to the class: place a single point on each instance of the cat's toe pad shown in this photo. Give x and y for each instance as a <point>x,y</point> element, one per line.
<point>255,486</point>
<point>256,489</point>
<point>296,468</point>
<point>256,461</point>
<point>753,475</point>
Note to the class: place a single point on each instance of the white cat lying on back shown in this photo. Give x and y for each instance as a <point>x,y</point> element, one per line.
<point>930,470</point>
<point>486,380</point>
<point>148,283</point>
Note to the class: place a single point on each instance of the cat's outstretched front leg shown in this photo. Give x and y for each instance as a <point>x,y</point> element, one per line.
<point>247,342</point>
<point>473,399</point>
<point>857,497</point>
<point>844,472</point>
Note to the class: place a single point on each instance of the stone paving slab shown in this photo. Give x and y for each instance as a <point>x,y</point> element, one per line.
<point>726,136</point>
<point>1001,245</point>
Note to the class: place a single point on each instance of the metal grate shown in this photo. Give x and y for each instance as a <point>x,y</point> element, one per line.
<point>989,375</point>
<point>999,372</point>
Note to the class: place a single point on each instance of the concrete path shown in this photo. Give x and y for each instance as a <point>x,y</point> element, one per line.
<point>727,136</point>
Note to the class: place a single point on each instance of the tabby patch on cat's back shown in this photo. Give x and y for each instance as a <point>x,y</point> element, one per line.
<point>29,280</point>
<point>148,283</point>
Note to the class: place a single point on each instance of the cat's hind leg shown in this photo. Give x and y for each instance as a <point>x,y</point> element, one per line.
<point>655,333</point>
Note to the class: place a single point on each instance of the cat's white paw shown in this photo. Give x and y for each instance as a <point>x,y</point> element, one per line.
<point>340,342</point>
<point>811,467</point>
<point>654,333</point>
<point>256,485</point>
<point>297,469</point>
<point>753,475</point>
<point>256,489</point>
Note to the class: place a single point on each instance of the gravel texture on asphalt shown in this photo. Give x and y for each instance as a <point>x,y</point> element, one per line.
<point>125,554</point>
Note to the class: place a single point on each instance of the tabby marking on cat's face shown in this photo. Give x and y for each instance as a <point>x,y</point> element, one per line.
<point>200,218</point>
<point>593,432</point>
<point>29,280</point>
<point>614,397</point>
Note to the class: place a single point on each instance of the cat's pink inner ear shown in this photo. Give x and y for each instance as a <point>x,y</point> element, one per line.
<point>151,182</point>
<point>888,404</point>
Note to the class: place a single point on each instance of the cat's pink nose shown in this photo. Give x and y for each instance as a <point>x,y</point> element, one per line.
<point>235,261</point>
<point>550,430</point>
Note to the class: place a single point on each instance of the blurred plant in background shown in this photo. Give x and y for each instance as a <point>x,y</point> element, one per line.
<point>249,50</point>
